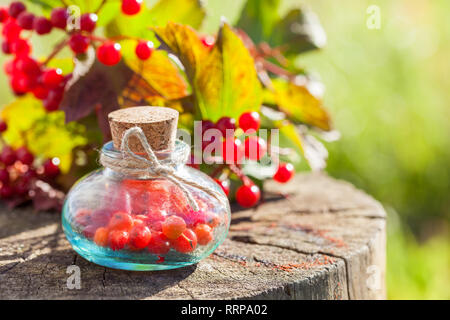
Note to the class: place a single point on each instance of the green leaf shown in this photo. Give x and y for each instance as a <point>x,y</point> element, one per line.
<point>299,104</point>
<point>223,79</point>
<point>188,12</point>
<point>227,83</point>
<point>45,134</point>
<point>132,26</point>
<point>258,19</point>
<point>299,31</point>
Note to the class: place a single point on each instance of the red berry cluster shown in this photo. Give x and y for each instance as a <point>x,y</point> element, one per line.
<point>26,74</point>
<point>18,170</point>
<point>234,150</point>
<point>144,225</point>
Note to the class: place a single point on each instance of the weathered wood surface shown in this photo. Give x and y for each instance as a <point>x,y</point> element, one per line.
<point>326,240</point>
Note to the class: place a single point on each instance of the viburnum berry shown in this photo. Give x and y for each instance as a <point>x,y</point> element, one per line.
<point>248,195</point>
<point>8,156</point>
<point>204,234</point>
<point>208,41</point>
<point>79,43</point>
<point>225,123</point>
<point>24,156</point>
<point>6,47</point>
<point>25,20</point>
<point>20,47</point>
<point>249,120</point>
<point>131,7</point>
<point>53,99</point>
<point>52,78</point>
<point>88,22</point>
<point>59,17</point>
<point>185,243</point>
<point>28,66</point>
<point>101,237</point>
<point>3,126</point>
<point>7,191</point>
<point>140,236</point>
<point>121,221</point>
<point>284,173</point>
<point>16,8</point>
<point>20,84</point>
<point>11,30</point>
<point>40,92</point>
<point>232,150</point>
<point>21,187</point>
<point>144,50</point>
<point>159,244</point>
<point>51,168</point>
<point>173,227</point>
<point>255,148</point>
<point>117,239</point>
<point>4,176</point>
<point>42,25</point>
<point>109,53</point>
<point>225,185</point>
<point>4,15</point>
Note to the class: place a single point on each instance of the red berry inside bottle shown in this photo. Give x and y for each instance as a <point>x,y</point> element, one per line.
<point>140,236</point>
<point>159,243</point>
<point>186,242</point>
<point>117,239</point>
<point>248,195</point>
<point>284,173</point>
<point>131,7</point>
<point>109,53</point>
<point>204,234</point>
<point>173,227</point>
<point>144,50</point>
<point>59,18</point>
<point>249,121</point>
<point>101,237</point>
<point>121,221</point>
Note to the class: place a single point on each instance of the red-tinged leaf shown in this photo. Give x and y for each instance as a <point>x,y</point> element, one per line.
<point>162,76</point>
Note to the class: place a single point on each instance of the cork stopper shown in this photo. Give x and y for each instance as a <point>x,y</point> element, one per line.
<point>158,123</point>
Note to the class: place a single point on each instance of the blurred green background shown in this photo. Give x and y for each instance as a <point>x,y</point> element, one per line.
<point>388,90</point>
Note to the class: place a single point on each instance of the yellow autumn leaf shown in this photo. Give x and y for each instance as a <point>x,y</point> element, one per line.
<point>300,105</point>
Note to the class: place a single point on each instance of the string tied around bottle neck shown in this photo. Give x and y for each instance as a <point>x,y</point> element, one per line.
<point>132,163</point>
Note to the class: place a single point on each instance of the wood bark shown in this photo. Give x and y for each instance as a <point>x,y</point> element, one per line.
<point>314,238</point>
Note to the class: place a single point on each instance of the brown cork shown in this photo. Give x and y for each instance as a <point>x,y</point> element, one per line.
<point>158,123</point>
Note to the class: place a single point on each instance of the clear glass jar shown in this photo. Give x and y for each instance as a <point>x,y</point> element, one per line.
<point>133,222</point>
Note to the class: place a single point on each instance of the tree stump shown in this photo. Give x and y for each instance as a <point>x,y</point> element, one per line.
<point>314,238</point>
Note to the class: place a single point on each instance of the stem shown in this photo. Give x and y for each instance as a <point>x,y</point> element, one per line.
<point>100,6</point>
<point>57,49</point>
<point>217,171</point>
<point>237,171</point>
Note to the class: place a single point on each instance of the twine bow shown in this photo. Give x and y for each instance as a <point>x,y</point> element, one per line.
<point>134,163</point>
